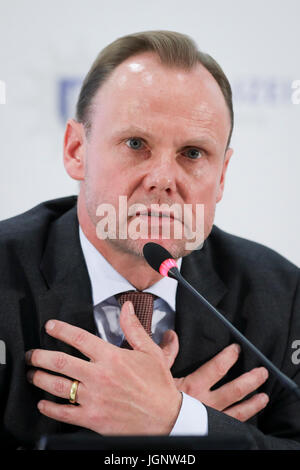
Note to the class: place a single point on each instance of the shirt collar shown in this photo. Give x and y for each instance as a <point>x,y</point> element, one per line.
<point>107,282</point>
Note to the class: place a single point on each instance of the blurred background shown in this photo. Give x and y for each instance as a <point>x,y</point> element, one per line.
<point>46,48</point>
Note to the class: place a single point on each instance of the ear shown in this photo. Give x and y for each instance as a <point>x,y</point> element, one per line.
<point>74,149</point>
<point>227,157</point>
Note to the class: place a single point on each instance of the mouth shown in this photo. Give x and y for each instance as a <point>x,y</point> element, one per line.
<point>160,215</point>
<point>154,213</point>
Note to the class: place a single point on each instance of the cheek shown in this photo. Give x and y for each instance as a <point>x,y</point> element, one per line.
<point>204,187</point>
<point>105,183</point>
<point>204,190</point>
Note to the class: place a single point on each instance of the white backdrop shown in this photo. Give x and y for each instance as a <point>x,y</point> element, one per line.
<point>47,47</point>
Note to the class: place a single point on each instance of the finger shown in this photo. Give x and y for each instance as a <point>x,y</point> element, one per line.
<point>247,409</point>
<point>57,361</point>
<point>214,370</point>
<point>65,413</point>
<point>90,345</point>
<point>170,347</point>
<point>58,386</point>
<point>236,390</point>
<point>135,333</point>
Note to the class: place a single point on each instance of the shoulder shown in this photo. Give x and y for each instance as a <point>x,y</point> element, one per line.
<point>28,230</point>
<point>235,255</point>
<point>37,217</point>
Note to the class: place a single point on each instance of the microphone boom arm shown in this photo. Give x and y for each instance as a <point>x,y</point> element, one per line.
<point>284,379</point>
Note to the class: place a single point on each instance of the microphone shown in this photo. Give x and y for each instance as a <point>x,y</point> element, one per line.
<point>162,261</point>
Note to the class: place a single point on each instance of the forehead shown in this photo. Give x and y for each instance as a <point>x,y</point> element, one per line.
<point>142,88</point>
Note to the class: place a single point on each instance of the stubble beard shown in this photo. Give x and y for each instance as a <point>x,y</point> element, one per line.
<point>135,247</point>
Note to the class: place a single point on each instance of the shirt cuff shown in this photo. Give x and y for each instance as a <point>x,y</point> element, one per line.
<point>192,419</point>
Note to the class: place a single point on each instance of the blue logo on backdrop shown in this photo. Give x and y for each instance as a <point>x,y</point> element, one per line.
<point>247,91</point>
<point>68,92</point>
<point>259,91</point>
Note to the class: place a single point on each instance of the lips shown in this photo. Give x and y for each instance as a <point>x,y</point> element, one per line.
<point>136,211</point>
<point>150,213</point>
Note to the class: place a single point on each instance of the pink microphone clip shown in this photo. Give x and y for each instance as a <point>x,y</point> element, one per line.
<point>167,265</point>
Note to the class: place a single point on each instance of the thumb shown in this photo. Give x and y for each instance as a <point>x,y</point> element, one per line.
<point>170,347</point>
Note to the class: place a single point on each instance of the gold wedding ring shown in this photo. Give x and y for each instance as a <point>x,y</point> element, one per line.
<point>73,391</point>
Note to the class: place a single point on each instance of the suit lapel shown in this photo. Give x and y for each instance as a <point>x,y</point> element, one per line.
<point>68,294</point>
<point>201,335</point>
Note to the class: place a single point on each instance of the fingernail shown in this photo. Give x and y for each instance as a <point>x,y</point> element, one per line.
<point>265,373</point>
<point>40,405</point>
<point>50,325</point>
<point>264,398</point>
<point>168,335</point>
<point>29,375</point>
<point>130,308</point>
<point>28,355</point>
<point>236,347</point>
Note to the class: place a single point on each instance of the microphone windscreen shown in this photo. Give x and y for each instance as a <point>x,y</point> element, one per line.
<point>155,255</point>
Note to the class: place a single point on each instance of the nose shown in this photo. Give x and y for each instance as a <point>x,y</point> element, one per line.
<point>161,176</point>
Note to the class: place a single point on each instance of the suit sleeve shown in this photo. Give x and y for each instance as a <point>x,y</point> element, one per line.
<point>279,424</point>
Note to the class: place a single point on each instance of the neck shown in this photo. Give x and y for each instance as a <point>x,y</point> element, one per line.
<point>132,267</point>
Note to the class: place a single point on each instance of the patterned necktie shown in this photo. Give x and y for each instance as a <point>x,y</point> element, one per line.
<point>143,307</point>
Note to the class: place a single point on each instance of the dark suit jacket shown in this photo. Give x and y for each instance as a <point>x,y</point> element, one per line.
<point>43,275</point>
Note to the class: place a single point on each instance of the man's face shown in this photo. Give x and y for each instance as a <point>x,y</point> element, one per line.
<point>158,135</point>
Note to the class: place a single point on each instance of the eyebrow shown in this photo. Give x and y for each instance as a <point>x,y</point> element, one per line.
<point>136,131</point>
<point>132,130</point>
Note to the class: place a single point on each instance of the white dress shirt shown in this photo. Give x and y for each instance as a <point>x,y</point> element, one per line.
<point>106,282</point>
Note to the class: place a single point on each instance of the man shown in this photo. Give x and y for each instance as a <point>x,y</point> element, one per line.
<point>154,122</point>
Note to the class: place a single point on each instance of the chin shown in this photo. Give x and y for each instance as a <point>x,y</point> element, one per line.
<point>177,248</point>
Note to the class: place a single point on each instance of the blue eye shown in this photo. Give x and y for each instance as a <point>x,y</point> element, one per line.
<point>134,143</point>
<point>194,153</point>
